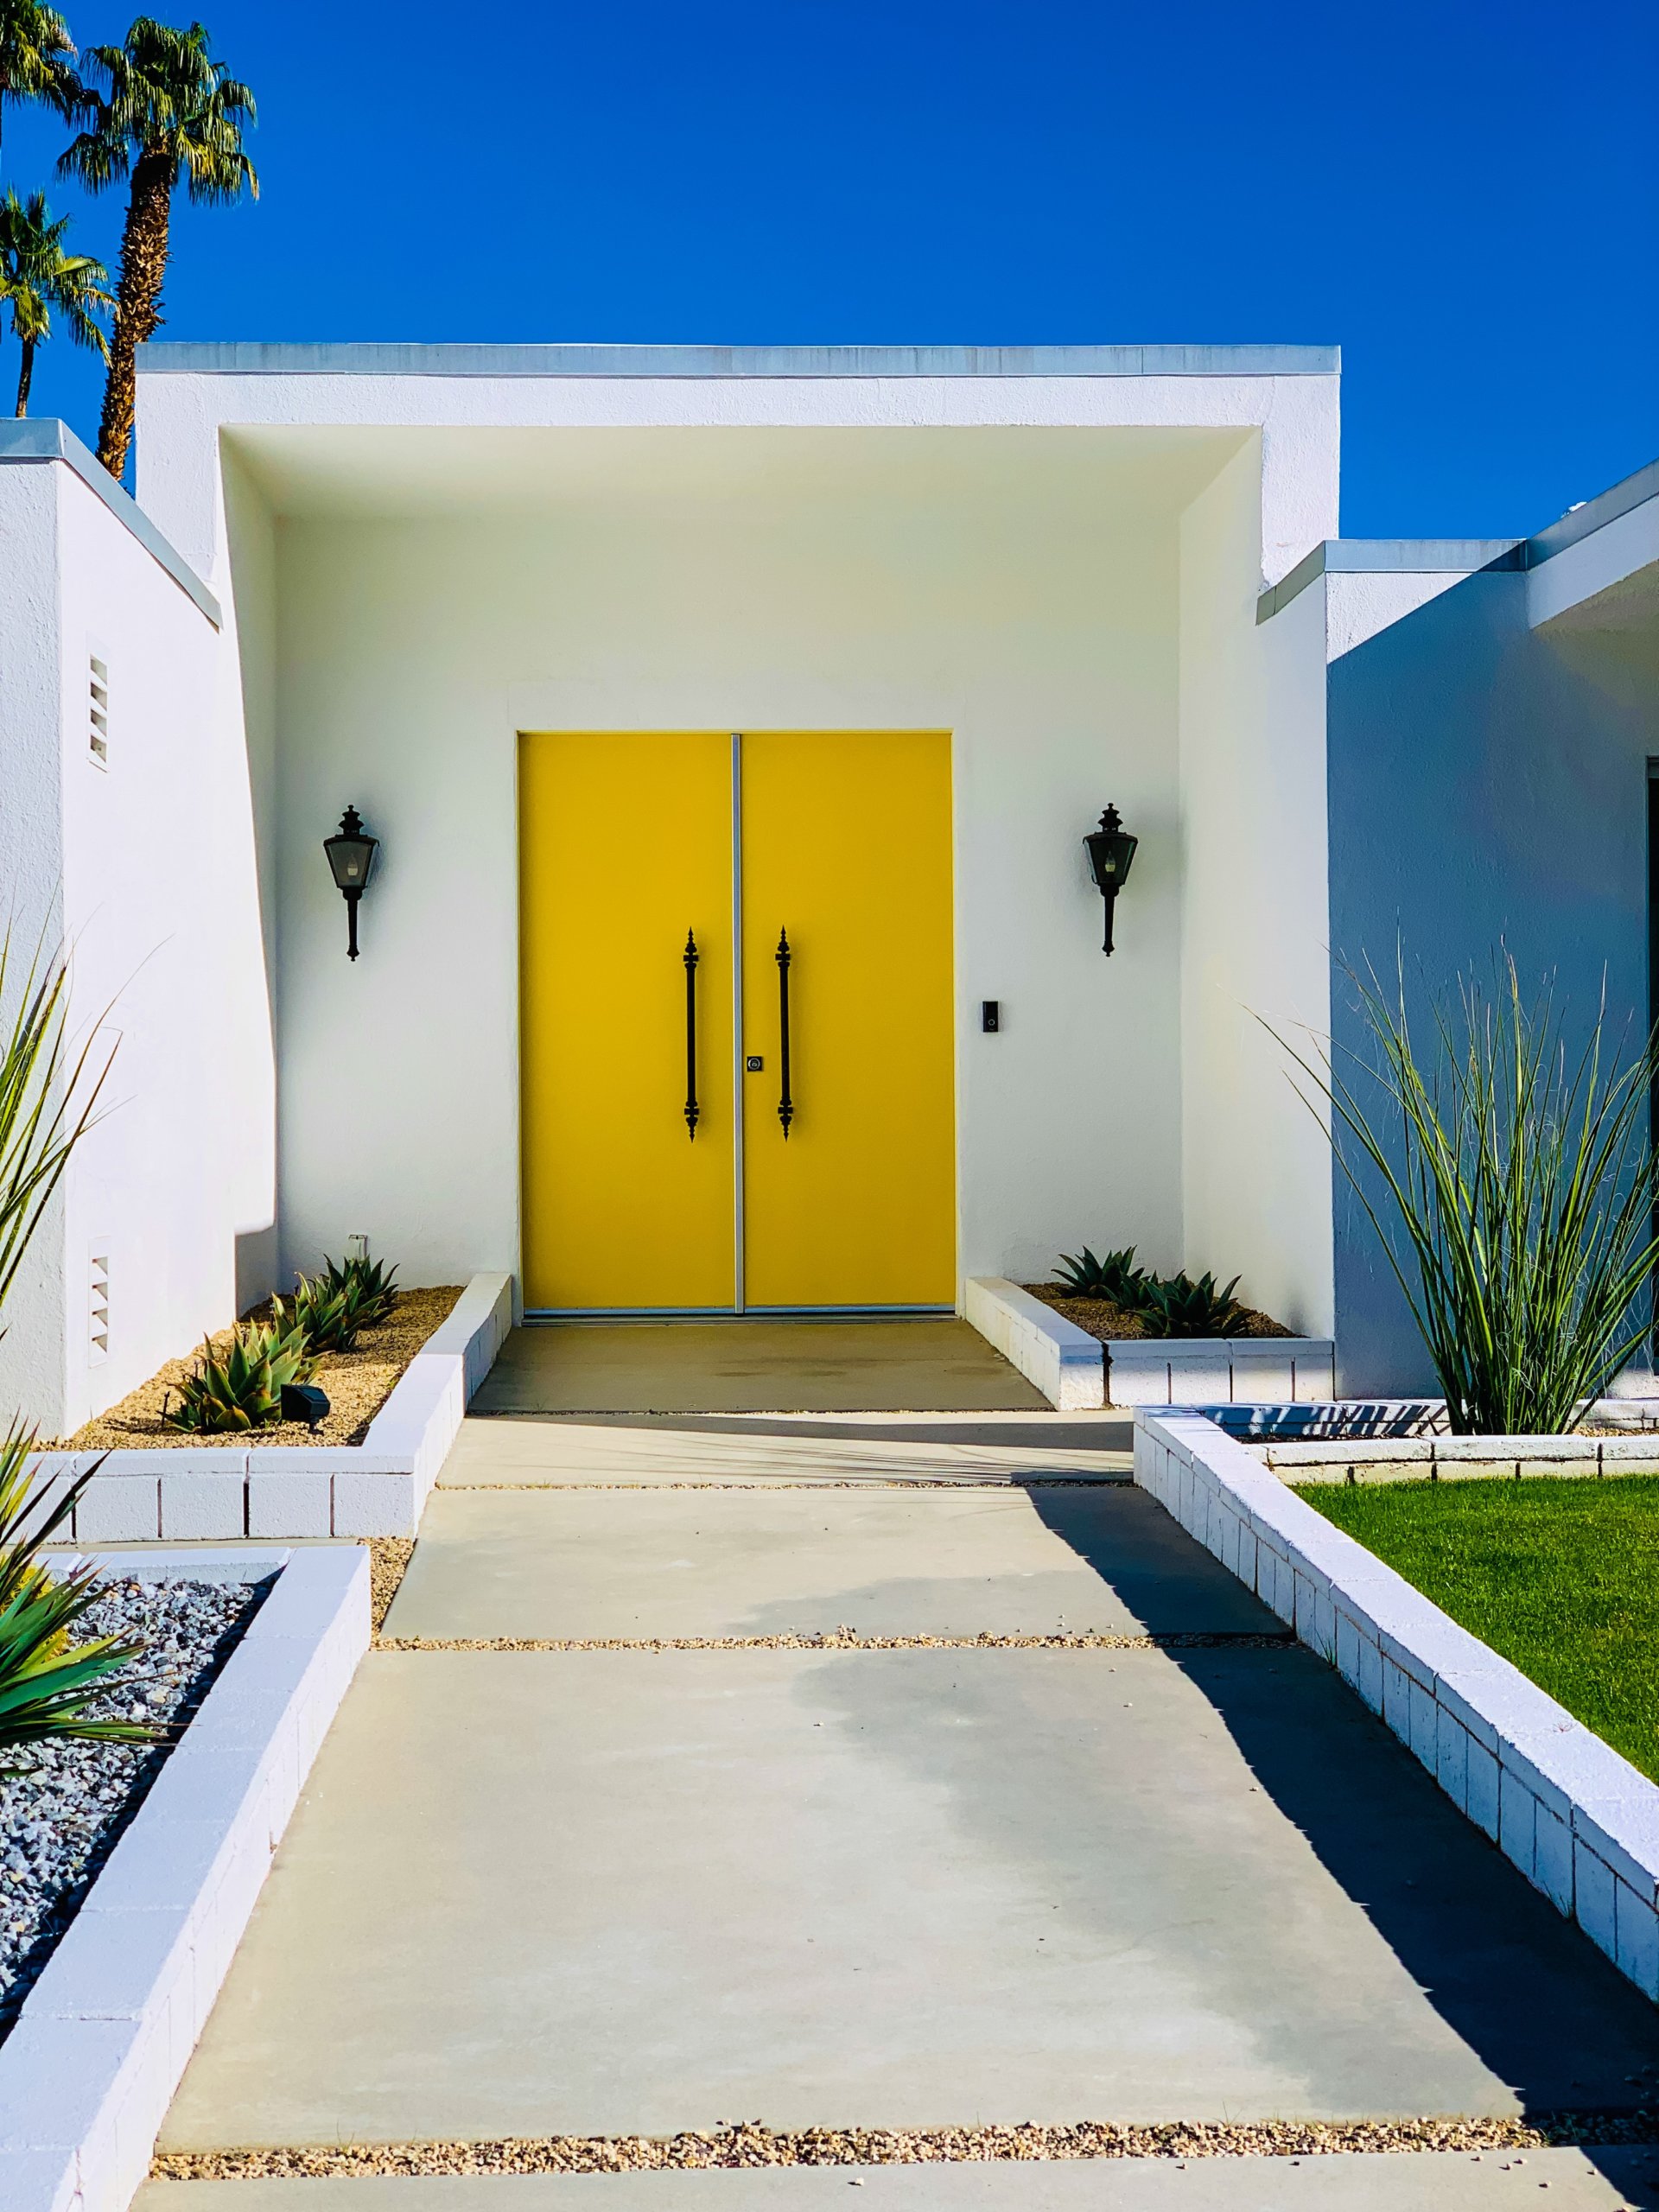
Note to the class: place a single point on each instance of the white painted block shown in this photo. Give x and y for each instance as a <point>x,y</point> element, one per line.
<point>119,1508</point>
<point>1517,1812</point>
<point>1637,1929</point>
<point>1593,1899</point>
<point>1451,1757</point>
<point>375,1505</point>
<point>197,1507</point>
<point>1552,1859</point>
<point>1482,1802</point>
<point>297,1503</point>
<point>40,2181</point>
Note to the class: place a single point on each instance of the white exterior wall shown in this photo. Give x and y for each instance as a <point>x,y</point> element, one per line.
<point>411,655</point>
<point>32,1355</point>
<point>144,868</point>
<point>434,596</point>
<point>1254,923</point>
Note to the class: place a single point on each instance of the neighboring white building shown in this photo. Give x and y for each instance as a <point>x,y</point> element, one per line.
<point>356,575</point>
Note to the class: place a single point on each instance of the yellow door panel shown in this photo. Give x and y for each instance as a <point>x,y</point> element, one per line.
<point>625,844</point>
<point>846,844</point>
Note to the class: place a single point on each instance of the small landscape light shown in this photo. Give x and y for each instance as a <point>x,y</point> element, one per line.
<point>1112,851</point>
<point>351,853</point>
<point>304,1401</point>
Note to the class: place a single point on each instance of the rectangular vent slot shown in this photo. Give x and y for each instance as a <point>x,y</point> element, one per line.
<point>99,1348</point>
<point>100,729</point>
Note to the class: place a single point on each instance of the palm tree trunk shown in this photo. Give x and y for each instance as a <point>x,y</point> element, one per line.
<point>25,375</point>
<point>137,301</point>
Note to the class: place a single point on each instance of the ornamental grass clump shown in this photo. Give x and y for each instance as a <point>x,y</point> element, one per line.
<point>1508,1173</point>
<point>243,1388</point>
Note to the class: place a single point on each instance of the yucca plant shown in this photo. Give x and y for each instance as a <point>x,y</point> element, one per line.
<point>46,1100</point>
<point>1509,1179</point>
<point>1115,1278</point>
<point>1177,1306</point>
<point>243,1388</point>
<point>46,1681</point>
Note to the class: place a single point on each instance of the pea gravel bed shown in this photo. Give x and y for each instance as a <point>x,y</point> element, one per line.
<point>753,2144</point>
<point>63,1805</point>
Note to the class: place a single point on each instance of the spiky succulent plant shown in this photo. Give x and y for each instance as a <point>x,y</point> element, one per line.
<point>243,1388</point>
<point>366,1287</point>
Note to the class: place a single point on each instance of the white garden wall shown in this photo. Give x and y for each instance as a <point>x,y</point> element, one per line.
<point>143,863</point>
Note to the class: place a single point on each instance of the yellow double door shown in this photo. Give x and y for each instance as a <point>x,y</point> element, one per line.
<point>708,1126</point>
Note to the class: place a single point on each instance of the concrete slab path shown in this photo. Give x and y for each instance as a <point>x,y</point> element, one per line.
<point>536,1892</point>
<point>740,1366</point>
<point>674,1451</point>
<point>603,1563</point>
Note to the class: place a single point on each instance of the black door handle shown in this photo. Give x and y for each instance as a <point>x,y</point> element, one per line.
<point>690,956</point>
<point>783,957</point>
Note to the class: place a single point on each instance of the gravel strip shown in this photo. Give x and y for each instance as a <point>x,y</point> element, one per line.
<point>752,2144</point>
<point>63,1805</point>
<point>847,1639</point>
<point>885,1482</point>
<point>388,1558</point>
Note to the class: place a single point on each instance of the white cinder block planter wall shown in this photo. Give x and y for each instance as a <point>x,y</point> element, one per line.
<point>1579,1821</point>
<point>1074,1370</point>
<point>88,2071</point>
<point>187,1494</point>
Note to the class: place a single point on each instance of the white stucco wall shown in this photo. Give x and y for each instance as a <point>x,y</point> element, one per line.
<point>1018,607</point>
<point>32,1357</point>
<point>1254,915</point>
<point>148,878</point>
<point>460,556</point>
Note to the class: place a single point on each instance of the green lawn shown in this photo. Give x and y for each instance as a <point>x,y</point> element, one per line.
<point>1561,1576</point>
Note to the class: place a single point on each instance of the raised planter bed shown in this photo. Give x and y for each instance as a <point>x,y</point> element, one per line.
<point>1578,1821</point>
<point>220,1493</point>
<point>104,2036</point>
<point>1076,1371</point>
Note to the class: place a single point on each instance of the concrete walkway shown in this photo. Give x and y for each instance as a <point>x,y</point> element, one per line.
<point>749,1366</point>
<point>904,1881</point>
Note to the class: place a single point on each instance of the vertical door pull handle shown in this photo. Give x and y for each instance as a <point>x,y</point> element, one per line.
<point>690,956</point>
<point>783,957</point>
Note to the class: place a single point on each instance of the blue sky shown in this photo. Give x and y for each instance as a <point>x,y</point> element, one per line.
<point>1465,198</point>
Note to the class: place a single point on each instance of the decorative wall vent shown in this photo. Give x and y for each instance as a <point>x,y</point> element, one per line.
<point>98,1348</point>
<point>100,725</point>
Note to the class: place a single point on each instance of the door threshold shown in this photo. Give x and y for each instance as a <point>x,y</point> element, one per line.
<point>552,1317</point>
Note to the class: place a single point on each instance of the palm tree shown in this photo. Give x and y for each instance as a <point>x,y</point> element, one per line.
<point>170,109</point>
<point>36,57</point>
<point>37,275</point>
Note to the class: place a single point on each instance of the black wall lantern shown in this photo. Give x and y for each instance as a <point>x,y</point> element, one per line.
<point>351,853</point>
<point>1111,850</point>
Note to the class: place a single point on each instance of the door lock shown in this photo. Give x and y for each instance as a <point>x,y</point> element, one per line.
<point>754,1064</point>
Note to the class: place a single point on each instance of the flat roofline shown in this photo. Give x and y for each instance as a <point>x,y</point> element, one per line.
<point>246,358</point>
<point>44,438</point>
<point>1631,492</point>
<point>1367,556</point>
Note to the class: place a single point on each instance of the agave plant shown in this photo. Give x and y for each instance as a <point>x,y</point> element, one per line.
<point>327,1317</point>
<point>368,1288</point>
<point>46,1681</point>
<point>1115,1278</point>
<point>1177,1306</point>
<point>244,1388</point>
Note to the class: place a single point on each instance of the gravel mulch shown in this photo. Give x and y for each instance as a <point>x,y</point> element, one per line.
<point>753,2144</point>
<point>63,1805</point>
<point>357,1385</point>
<point>1098,1317</point>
